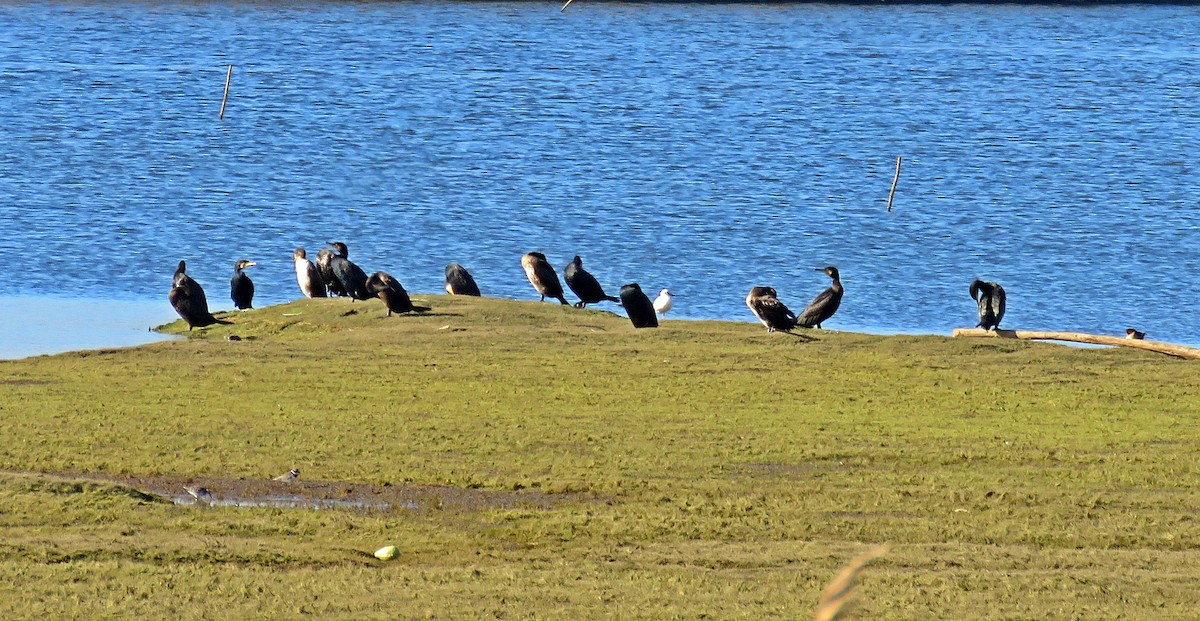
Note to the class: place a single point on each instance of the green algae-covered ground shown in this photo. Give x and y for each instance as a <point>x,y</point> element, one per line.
<point>702,470</point>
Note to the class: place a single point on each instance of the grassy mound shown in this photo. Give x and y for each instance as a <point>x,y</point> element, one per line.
<point>701,469</point>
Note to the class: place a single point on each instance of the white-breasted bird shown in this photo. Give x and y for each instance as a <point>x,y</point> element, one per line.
<point>201,494</point>
<point>289,476</point>
<point>662,303</point>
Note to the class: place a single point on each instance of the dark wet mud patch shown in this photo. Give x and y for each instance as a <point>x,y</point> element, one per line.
<point>306,494</point>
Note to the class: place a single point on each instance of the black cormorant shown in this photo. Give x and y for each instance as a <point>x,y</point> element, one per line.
<point>765,304</point>
<point>187,297</point>
<point>991,299</point>
<point>392,293</point>
<point>825,304</point>
<point>307,275</point>
<point>325,269</point>
<point>542,276</point>
<point>638,306</point>
<point>241,288</point>
<point>459,281</point>
<point>585,286</point>
<point>351,276</point>
<point>1131,333</point>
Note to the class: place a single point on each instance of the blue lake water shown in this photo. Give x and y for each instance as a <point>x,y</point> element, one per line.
<point>703,147</point>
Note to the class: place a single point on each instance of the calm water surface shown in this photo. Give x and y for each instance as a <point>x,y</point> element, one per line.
<point>705,148</point>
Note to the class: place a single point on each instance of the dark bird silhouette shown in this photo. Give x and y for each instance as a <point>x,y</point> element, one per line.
<point>584,285</point>
<point>394,296</point>
<point>542,276</point>
<point>825,304</point>
<point>349,275</point>
<point>775,315</point>
<point>1130,333</point>
<point>241,288</point>
<point>325,269</point>
<point>459,281</point>
<point>638,306</point>
<point>188,299</point>
<point>991,299</point>
<point>307,275</point>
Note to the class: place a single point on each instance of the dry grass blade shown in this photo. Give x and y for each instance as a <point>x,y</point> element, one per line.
<point>838,592</point>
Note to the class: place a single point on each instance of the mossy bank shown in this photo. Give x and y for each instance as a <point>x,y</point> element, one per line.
<point>704,469</point>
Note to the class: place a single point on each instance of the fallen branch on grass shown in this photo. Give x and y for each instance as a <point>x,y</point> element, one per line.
<point>1170,349</point>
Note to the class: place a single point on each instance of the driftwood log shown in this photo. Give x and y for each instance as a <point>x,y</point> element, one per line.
<point>1181,351</point>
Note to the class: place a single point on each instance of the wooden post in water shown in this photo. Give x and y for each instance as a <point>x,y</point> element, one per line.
<point>895,180</point>
<point>1171,349</point>
<point>225,97</point>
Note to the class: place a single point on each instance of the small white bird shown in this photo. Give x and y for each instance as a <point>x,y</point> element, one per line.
<point>662,303</point>
<point>201,494</point>
<point>289,476</point>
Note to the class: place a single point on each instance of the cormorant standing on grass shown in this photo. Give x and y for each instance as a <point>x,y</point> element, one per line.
<point>585,286</point>
<point>542,276</point>
<point>459,281</point>
<point>394,296</point>
<point>638,306</point>
<point>825,304</point>
<point>349,275</point>
<point>775,315</point>
<point>325,269</point>
<point>241,288</point>
<point>187,297</point>
<point>307,275</point>
<point>991,299</point>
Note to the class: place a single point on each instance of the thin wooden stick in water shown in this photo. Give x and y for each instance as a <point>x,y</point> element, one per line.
<point>894,181</point>
<point>564,7</point>
<point>225,97</point>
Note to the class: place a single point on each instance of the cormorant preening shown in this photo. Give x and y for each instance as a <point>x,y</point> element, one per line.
<point>307,275</point>
<point>459,281</point>
<point>542,276</point>
<point>392,293</point>
<point>585,286</point>
<point>1130,333</point>
<point>187,297</point>
<point>662,303</point>
<point>825,304</point>
<point>241,288</point>
<point>349,275</point>
<point>638,306</point>
<point>765,304</point>
<point>991,299</point>
<point>325,269</point>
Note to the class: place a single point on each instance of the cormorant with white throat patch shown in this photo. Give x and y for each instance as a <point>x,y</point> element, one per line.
<point>241,288</point>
